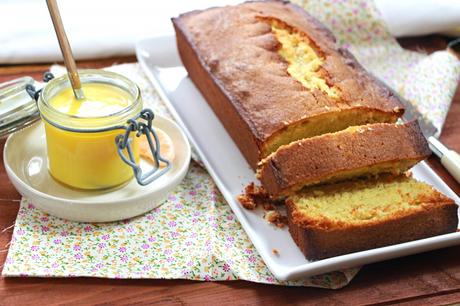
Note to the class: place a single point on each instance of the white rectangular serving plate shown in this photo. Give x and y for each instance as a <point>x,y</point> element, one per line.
<point>160,61</point>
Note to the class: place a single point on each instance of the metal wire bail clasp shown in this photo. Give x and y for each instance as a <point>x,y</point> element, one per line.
<point>123,141</point>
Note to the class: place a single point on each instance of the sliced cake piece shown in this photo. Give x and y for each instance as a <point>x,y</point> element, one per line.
<point>353,216</point>
<point>357,151</point>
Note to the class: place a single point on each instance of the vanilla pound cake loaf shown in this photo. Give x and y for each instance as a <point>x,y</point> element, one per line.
<point>365,150</point>
<point>273,74</point>
<point>352,216</point>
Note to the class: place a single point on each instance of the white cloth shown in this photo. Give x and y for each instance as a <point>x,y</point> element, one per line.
<point>420,17</point>
<point>104,28</point>
<point>95,28</point>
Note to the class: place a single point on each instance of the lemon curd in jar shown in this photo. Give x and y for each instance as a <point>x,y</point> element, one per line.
<point>81,150</point>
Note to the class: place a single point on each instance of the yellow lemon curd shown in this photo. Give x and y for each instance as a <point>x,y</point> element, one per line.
<point>89,160</point>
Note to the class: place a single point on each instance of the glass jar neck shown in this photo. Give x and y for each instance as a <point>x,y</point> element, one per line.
<point>90,124</point>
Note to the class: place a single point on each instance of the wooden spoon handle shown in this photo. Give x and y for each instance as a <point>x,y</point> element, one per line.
<point>66,50</point>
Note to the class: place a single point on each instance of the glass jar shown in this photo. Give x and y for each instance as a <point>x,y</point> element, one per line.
<point>82,150</point>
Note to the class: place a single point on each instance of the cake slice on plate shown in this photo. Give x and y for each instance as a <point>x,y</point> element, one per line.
<point>362,214</point>
<point>357,151</point>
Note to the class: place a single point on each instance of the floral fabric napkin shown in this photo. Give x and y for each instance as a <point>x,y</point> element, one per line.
<point>194,234</point>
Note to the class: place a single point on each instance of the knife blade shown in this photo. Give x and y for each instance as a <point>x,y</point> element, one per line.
<point>411,113</point>
<point>449,158</point>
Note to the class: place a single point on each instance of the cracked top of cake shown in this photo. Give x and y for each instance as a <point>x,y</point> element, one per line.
<point>284,73</point>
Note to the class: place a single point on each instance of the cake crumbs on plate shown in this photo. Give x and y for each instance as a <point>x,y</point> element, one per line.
<point>255,195</point>
<point>275,252</point>
<point>275,218</point>
<point>268,206</point>
<point>246,201</point>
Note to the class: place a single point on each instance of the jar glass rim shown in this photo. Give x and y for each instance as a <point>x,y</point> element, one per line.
<point>50,113</point>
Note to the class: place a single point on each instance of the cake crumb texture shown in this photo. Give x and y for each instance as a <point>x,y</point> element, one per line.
<point>363,214</point>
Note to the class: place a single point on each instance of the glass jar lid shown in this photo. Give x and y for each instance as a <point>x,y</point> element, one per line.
<point>17,108</point>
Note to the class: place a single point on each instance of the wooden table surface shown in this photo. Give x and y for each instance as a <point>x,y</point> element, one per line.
<point>429,278</point>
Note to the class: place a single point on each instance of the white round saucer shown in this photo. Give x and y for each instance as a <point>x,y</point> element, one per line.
<point>26,163</point>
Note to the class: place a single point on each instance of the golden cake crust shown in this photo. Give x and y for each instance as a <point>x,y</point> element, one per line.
<point>392,147</point>
<point>231,54</point>
<point>320,237</point>
<point>317,243</point>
